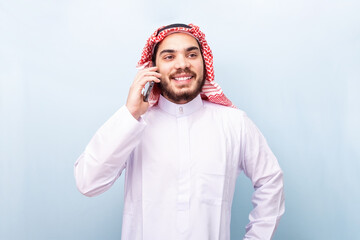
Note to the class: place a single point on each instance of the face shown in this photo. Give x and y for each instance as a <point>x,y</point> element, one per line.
<point>181,65</point>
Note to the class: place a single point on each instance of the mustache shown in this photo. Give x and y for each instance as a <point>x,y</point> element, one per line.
<point>182,71</point>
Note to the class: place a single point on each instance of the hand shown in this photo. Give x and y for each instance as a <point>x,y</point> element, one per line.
<point>135,103</point>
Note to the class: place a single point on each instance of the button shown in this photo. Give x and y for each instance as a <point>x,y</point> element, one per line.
<point>181,110</point>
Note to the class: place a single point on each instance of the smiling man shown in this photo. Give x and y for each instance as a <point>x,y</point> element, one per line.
<point>181,66</point>
<point>182,150</point>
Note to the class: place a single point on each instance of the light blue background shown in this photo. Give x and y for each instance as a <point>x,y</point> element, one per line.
<point>66,66</point>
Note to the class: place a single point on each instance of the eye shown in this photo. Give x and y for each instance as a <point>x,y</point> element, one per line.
<point>168,57</point>
<point>192,55</point>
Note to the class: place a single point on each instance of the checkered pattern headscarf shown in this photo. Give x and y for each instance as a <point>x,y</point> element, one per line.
<point>211,91</point>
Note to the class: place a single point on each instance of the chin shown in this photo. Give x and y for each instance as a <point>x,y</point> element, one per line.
<point>181,97</point>
<point>181,94</point>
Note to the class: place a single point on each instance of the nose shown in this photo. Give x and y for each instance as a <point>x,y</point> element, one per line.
<point>182,62</point>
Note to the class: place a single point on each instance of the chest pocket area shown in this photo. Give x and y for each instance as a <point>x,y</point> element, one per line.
<point>212,188</point>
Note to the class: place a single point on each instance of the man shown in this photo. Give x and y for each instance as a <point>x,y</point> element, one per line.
<point>182,150</point>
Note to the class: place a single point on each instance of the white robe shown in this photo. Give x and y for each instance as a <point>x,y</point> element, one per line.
<point>181,165</point>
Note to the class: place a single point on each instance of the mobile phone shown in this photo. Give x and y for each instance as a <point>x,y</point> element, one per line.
<point>147,90</point>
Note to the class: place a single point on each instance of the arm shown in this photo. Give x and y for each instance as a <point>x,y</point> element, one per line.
<point>106,155</point>
<point>261,166</point>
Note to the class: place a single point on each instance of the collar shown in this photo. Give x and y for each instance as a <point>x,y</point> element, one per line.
<point>180,110</point>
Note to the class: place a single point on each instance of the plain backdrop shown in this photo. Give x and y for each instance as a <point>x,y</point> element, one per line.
<point>66,67</point>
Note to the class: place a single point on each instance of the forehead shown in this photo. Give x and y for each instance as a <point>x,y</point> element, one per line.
<point>178,41</point>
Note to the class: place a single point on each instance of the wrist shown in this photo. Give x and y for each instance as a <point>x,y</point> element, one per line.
<point>133,112</point>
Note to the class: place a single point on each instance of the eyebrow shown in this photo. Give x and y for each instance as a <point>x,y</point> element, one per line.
<point>172,50</point>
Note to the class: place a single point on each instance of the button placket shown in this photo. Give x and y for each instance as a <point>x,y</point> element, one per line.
<point>183,198</point>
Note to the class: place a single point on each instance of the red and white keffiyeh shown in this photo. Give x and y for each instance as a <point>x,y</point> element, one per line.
<point>211,91</point>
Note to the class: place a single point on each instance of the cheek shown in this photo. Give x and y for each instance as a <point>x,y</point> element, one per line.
<point>164,70</point>
<point>199,66</point>
<point>200,69</point>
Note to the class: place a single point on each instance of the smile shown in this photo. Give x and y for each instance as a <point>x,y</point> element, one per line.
<point>182,78</point>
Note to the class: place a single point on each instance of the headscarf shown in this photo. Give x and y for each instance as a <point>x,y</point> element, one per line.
<point>211,91</point>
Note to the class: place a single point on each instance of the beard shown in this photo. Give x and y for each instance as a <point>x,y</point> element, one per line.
<point>182,96</point>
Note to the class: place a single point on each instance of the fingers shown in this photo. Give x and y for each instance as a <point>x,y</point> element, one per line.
<point>147,75</point>
<point>149,79</point>
<point>152,76</point>
<point>149,72</point>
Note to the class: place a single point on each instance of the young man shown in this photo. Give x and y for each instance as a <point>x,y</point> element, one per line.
<point>182,150</point>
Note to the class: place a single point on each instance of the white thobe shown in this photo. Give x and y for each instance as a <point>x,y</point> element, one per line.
<point>181,165</point>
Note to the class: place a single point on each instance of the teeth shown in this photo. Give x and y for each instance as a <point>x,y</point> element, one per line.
<point>182,78</point>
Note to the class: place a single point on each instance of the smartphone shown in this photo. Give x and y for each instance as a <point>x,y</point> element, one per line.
<point>148,86</point>
<point>147,90</point>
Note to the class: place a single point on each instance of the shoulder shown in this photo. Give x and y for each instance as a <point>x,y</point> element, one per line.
<point>224,110</point>
<point>232,118</point>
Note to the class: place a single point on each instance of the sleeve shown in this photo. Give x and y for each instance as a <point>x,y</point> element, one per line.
<point>106,155</point>
<point>261,166</point>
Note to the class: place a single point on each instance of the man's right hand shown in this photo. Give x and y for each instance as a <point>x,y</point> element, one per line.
<point>135,102</point>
